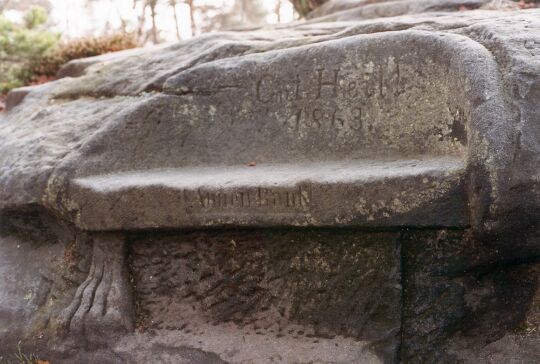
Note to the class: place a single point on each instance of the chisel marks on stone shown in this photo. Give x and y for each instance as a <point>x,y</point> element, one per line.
<point>101,307</point>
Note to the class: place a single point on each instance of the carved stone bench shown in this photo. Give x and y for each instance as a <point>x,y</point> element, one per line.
<point>275,203</point>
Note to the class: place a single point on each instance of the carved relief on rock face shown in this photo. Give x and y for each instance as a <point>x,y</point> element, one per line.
<point>259,198</point>
<point>332,82</point>
<point>314,99</point>
<point>101,309</point>
<point>383,105</point>
<point>353,105</point>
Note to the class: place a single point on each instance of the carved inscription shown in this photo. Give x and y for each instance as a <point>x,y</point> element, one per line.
<point>254,198</point>
<point>321,116</point>
<point>332,97</point>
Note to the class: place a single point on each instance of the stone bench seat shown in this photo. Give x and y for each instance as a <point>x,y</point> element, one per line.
<point>359,192</point>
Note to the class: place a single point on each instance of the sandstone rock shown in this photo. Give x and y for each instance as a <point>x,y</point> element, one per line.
<point>368,9</point>
<point>465,300</point>
<point>345,189</point>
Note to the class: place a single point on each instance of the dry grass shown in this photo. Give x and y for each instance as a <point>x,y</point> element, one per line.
<point>21,358</point>
<point>49,64</point>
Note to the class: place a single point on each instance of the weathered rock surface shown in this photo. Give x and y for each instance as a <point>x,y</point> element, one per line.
<point>347,189</point>
<point>368,9</point>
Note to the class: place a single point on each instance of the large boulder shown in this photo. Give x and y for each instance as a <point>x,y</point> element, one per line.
<point>339,190</point>
<point>368,9</point>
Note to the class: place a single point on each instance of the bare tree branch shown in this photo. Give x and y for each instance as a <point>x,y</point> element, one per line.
<point>303,7</point>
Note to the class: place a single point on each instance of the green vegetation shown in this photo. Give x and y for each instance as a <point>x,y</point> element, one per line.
<point>21,358</point>
<point>22,44</point>
<point>30,53</point>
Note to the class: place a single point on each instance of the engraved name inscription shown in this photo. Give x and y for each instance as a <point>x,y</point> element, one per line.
<point>255,198</point>
<point>330,98</point>
<point>382,81</point>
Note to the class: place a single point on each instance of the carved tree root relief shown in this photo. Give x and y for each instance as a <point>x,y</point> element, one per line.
<point>101,309</point>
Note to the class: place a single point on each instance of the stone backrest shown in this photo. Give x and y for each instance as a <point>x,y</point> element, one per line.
<point>372,130</point>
